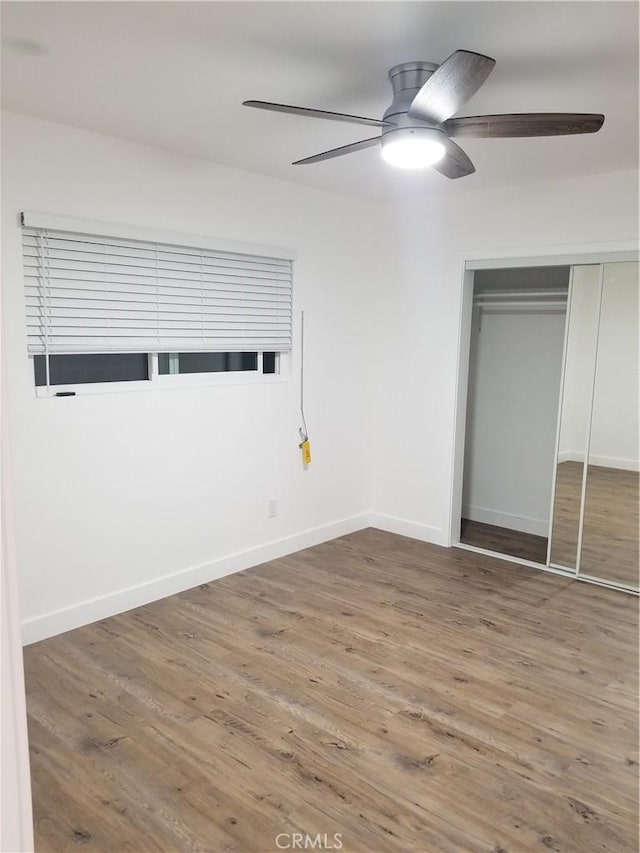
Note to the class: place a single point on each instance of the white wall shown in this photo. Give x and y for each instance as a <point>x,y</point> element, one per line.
<point>580,362</point>
<point>515,367</point>
<point>614,428</point>
<point>415,383</point>
<point>117,493</point>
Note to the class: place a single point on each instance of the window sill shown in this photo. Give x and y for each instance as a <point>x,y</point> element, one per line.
<point>174,382</point>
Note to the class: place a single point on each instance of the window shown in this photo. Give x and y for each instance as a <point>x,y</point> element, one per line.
<point>218,362</point>
<point>94,367</point>
<point>109,309</point>
<point>97,368</point>
<point>206,362</point>
<point>270,362</point>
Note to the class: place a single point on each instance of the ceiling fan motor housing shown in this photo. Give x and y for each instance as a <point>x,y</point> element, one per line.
<point>406,81</point>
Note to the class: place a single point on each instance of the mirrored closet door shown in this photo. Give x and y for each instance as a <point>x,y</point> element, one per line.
<point>596,499</point>
<point>575,413</point>
<point>551,443</point>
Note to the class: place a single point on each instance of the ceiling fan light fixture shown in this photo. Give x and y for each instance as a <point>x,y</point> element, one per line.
<point>413,148</point>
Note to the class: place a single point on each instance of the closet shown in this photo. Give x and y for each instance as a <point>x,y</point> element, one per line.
<point>550,474</point>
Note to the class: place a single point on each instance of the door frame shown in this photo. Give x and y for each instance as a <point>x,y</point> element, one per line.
<point>468,262</point>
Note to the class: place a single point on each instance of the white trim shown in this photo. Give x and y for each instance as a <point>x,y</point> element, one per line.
<point>412,529</point>
<point>619,587</point>
<point>554,474</point>
<point>16,826</point>
<point>585,468</point>
<point>554,256</point>
<point>56,622</point>
<point>460,414</point>
<point>223,377</point>
<point>571,456</point>
<point>523,523</point>
<point>35,219</point>
<point>182,382</point>
<point>520,561</point>
<point>617,462</point>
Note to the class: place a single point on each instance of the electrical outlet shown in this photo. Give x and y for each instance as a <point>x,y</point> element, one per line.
<point>272,508</point>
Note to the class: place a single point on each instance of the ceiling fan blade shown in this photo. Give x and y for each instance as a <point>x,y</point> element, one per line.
<point>338,152</point>
<point>524,124</point>
<point>455,163</point>
<point>451,85</point>
<point>305,111</point>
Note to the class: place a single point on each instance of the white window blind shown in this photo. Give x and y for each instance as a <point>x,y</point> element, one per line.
<point>96,294</point>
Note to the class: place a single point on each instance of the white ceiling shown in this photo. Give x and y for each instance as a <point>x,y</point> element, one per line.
<point>174,75</point>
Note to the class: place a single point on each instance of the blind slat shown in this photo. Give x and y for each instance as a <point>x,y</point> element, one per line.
<point>98,295</point>
<point>164,297</point>
<point>93,294</point>
<point>167,277</point>
<point>61,259</point>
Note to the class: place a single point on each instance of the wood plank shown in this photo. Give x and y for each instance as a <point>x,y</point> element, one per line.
<point>407,696</point>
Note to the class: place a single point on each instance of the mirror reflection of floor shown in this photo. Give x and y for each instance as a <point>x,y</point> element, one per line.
<point>566,514</point>
<point>610,538</point>
<point>611,522</point>
<point>503,540</point>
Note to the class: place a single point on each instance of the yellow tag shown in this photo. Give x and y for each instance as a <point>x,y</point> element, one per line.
<point>306,452</point>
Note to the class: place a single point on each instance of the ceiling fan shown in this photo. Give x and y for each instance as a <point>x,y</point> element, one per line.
<point>418,126</point>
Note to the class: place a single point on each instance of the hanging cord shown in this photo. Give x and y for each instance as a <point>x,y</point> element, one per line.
<point>304,435</point>
<point>304,445</point>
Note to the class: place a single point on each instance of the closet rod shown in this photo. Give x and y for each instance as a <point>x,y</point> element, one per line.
<point>520,294</point>
<point>538,303</point>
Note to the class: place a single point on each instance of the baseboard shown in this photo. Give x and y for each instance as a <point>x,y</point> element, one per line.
<point>412,529</point>
<point>570,456</point>
<point>614,462</point>
<point>523,523</point>
<point>600,461</point>
<point>85,612</point>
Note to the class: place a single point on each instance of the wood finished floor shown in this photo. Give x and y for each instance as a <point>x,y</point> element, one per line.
<point>503,540</point>
<point>566,514</point>
<point>610,544</point>
<point>409,697</point>
<point>611,523</point>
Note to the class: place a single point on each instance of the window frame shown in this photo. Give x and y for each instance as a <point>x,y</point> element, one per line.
<point>175,381</point>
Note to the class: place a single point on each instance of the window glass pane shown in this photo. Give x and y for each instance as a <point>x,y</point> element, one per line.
<point>208,362</point>
<point>269,362</point>
<point>94,367</point>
